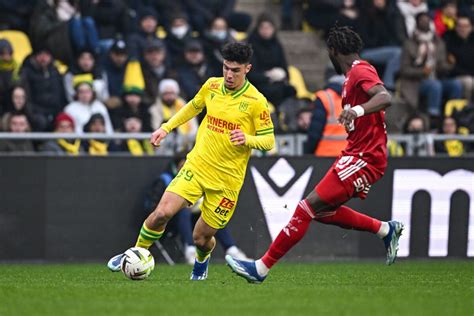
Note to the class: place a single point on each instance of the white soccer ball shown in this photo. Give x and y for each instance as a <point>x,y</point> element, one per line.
<point>137,263</point>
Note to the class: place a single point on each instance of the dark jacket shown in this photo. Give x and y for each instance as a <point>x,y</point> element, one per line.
<point>411,75</point>
<point>110,16</point>
<point>119,115</point>
<point>115,76</point>
<point>137,43</point>
<point>267,55</point>
<point>463,51</point>
<point>44,87</point>
<point>191,81</point>
<point>175,47</point>
<point>46,30</point>
<point>383,27</point>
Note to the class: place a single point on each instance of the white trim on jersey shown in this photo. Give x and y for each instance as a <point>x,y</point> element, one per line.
<point>346,173</point>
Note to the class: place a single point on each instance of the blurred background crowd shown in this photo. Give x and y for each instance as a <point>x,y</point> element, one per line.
<point>108,66</point>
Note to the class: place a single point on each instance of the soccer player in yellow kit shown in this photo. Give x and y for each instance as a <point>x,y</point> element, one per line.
<point>237,121</point>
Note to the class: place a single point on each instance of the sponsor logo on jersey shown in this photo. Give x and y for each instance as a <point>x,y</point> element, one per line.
<point>225,206</point>
<point>219,125</point>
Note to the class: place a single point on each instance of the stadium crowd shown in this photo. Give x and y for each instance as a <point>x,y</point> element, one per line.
<point>108,66</point>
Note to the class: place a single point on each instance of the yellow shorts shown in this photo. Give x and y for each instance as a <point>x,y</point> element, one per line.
<point>218,204</point>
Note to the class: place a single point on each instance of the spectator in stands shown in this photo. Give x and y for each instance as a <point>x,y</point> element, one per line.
<point>85,105</point>
<point>63,123</point>
<point>421,145</point>
<point>195,70</point>
<point>168,104</point>
<point>177,37</point>
<point>18,103</point>
<point>321,14</point>
<point>460,46</point>
<point>15,15</point>
<point>383,33</point>
<point>409,10</point>
<point>8,72</point>
<point>324,123</point>
<point>203,12</point>
<point>269,67</point>
<point>424,70</point>
<point>17,123</point>
<point>148,25</point>
<point>58,26</point>
<point>452,147</point>
<point>135,147</point>
<point>111,19</point>
<point>44,85</point>
<point>445,17</point>
<point>96,124</point>
<point>154,68</point>
<point>86,68</point>
<point>114,68</point>
<point>214,40</point>
<point>133,105</point>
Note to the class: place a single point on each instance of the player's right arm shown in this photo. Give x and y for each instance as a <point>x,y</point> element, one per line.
<point>187,112</point>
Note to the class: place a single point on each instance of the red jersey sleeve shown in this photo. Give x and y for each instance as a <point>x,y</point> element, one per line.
<point>366,77</point>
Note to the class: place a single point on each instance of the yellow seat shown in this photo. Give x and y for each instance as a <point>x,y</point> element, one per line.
<point>20,42</point>
<point>297,81</point>
<point>451,105</point>
<point>240,36</point>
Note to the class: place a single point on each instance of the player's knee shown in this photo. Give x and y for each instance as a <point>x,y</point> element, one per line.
<point>317,204</point>
<point>159,217</point>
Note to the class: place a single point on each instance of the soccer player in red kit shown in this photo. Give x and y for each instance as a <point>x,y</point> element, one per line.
<point>360,164</point>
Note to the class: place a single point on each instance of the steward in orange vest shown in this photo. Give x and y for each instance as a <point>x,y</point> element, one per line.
<point>324,123</point>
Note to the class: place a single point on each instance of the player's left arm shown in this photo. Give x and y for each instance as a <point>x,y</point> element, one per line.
<point>264,138</point>
<point>379,100</point>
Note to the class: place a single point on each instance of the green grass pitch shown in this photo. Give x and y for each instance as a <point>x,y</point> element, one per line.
<point>406,288</point>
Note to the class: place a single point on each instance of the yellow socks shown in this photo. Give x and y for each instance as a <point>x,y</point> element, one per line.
<point>202,256</point>
<point>147,237</point>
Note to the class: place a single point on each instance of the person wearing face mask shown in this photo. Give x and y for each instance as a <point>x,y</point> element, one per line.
<point>180,33</point>
<point>423,70</point>
<point>214,40</point>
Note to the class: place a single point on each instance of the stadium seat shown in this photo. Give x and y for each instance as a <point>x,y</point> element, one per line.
<point>20,42</point>
<point>297,81</point>
<point>62,67</point>
<point>452,105</point>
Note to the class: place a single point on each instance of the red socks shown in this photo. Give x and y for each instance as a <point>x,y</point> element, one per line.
<point>290,235</point>
<point>346,217</point>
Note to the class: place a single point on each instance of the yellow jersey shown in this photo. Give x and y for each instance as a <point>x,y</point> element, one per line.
<point>220,161</point>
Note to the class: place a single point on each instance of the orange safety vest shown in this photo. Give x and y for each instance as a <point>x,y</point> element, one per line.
<point>333,104</point>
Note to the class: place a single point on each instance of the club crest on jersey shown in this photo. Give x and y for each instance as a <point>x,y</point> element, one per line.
<point>243,106</point>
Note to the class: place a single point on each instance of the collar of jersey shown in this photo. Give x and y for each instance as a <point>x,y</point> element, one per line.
<point>237,93</point>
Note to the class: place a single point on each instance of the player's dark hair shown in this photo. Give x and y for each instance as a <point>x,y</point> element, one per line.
<point>344,40</point>
<point>238,52</point>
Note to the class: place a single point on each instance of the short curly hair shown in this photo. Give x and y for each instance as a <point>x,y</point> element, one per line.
<point>344,40</point>
<point>238,52</point>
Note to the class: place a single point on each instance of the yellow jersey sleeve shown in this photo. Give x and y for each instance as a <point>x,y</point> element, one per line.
<point>264,138</point>
<point>190,110</point>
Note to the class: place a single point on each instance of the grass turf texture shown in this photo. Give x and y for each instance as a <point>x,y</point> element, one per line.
<point>406,288</point>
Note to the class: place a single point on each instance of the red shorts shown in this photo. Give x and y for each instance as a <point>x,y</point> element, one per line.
<point>348,177</point>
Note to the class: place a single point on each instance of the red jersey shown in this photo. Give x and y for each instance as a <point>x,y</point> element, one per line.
<point>367,139</point>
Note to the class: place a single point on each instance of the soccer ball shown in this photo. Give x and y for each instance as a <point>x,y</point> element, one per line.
<point>137,263</point>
